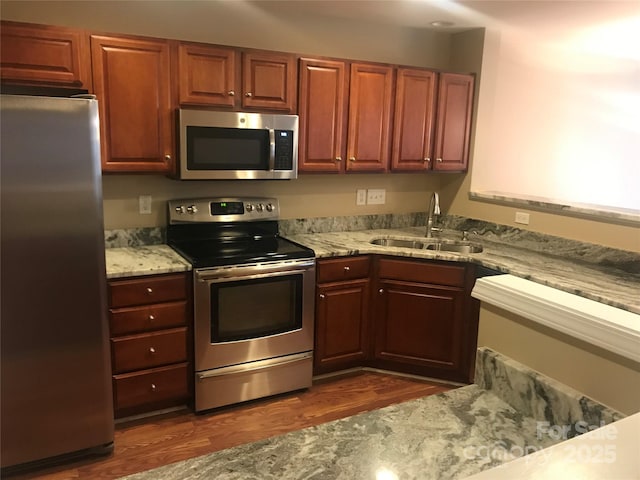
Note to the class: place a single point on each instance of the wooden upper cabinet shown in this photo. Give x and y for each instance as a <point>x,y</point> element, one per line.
<point>415,106</point>
<point>322,110</point>
<point>369,117</point>
<point>208,75</point>
<point>45,55</point>
<point>453,124</point>
<point>131,79</point>
<point>269,81</point>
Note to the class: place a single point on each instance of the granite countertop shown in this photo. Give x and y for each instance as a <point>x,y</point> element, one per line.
<point>143,260</point>
<point>595,279</point>
<point>510,412</point>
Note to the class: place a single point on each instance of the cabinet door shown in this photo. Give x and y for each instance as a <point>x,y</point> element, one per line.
<point>131,79</point>
<point>369,117</point>
<point>420,326</point>
<point>45,55</point>
<point>269,81</point>
<point>413,120</point>
<point>341,325</point>
<point>453,125</point>
<point>322,110</point>
<point>207,75</point>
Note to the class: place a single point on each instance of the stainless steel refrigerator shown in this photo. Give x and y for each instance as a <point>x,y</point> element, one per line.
<point>55,379</point>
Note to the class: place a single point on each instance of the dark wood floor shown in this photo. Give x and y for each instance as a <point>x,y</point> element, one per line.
<point>153,442</point>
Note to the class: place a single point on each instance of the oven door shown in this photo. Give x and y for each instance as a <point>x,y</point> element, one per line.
<point>253,312</point>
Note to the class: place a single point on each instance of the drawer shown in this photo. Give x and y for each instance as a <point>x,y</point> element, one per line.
<point>151,386</point>
<point>438,274</point>
<point>343,268</point>
<point>137,352</point>
<point>146,318</point>
<point>153,289</point>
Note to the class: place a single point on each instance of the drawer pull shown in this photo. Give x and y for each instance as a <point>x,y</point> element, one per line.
<point>153,387</point>
<point>151,318</point>
<point>346,269</point>
<point>322,296</point>
<point>152,350</point>
<point>381,291</point>
<point>149,290</point>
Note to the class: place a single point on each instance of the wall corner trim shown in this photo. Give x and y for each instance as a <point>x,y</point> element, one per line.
<point>610,328</point>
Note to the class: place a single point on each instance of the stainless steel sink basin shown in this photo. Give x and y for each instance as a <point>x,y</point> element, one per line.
<point>455,247</point>
<point>398,242</point>
<point>430,244</point>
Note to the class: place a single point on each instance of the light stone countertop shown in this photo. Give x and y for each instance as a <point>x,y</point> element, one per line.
<point>599,282</point>
<point>145,260</point>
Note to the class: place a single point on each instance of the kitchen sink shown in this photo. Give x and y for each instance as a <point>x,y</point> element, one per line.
<point>430,244</point>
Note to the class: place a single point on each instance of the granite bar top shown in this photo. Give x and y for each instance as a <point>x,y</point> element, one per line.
<point>446,436</point>
<point>599,281</point>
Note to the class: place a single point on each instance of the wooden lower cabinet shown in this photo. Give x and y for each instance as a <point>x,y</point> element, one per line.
<point>150,342</point>
<point>411,316</point>
<point>342,314</point>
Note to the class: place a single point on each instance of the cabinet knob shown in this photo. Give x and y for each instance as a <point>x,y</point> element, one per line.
<point>381,291</point>
<point>352,159</point>
<point>248,94</point>
<point>232,93</point>
<point>439,160</point>
<point>346,269</point>
<point>151,318</point>
<point>153,387</point>
<point>149,290</point>
<point>167,158</point>
<point>322,296</point>
<point>427,159</point>
<point>152,350</point>
<point>338,159</point>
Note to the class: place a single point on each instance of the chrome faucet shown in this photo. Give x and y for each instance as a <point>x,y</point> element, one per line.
<point>434,211</point>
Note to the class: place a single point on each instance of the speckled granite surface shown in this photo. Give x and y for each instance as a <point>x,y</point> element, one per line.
<point>446,436</point>
<point>612,285</point>
<point>147,260</point>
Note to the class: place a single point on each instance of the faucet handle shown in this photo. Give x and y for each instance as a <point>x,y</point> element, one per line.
<point>465,236</point>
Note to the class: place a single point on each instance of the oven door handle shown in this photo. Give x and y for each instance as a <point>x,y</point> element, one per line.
<point>247,272</point>
<point>253,366</point>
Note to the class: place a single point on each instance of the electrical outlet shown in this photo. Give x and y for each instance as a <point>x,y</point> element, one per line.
<point>144,204</point>
<point>361,196</point>
<point>522,217</point>
<point>376,196</point>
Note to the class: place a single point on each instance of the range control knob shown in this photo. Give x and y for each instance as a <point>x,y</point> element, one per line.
<point>249,207</point>
<point>192,209</point>
<point>259,207</point>
<point>181,209</point>
<point>269,207</point>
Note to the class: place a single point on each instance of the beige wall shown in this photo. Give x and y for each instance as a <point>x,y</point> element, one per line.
<point>601,375</point>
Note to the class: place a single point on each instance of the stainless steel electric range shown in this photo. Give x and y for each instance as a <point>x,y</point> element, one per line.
<point>253,294</point>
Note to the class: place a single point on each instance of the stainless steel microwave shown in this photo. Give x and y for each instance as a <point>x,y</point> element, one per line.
<point>237,145</point>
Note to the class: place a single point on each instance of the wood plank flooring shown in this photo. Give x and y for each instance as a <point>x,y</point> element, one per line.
<point>153,442</point>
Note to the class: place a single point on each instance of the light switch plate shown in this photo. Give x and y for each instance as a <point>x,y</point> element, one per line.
<point>361,196</point>
<point>144,204</point>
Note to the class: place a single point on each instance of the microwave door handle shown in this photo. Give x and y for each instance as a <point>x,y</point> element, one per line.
<point>272,149</point>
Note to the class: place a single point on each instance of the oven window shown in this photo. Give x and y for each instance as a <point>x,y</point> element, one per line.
<point>255,308</point>
<point>217,148</point>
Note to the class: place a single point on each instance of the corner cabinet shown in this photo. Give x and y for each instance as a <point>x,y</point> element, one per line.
<point>150,342</point>
<point>453,122</point>
<point>424,317</point>
<point>131,78</point>
<point>45,55</point>
<point>342,313</point>
<point>432,124</point>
